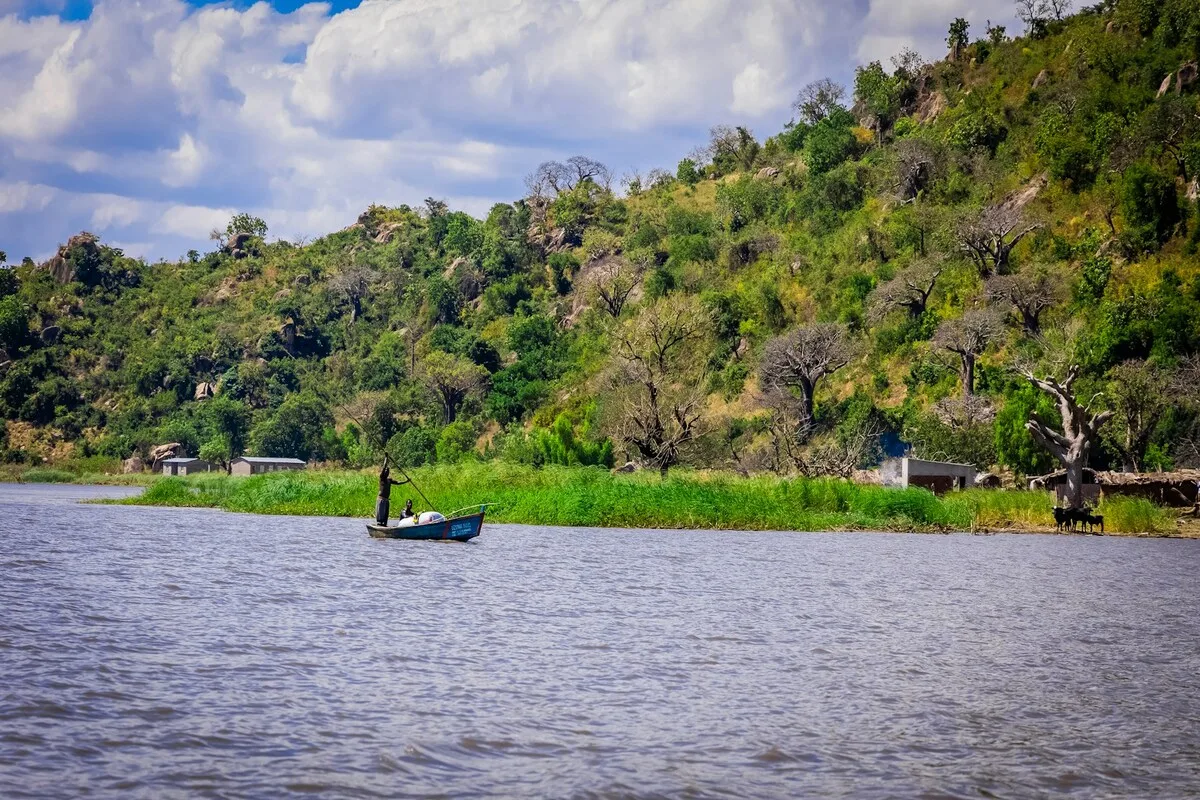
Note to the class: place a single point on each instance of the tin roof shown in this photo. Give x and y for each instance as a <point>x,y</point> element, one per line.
<point>183,460</point>
<point>261,460</point>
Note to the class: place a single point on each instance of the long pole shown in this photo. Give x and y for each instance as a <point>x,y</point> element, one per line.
<point>387,456</point>
<point>414,485</point>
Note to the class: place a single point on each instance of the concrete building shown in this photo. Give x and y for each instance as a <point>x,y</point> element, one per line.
<point>937,476</point>
<point>184,466</point>
<point>251,465</point>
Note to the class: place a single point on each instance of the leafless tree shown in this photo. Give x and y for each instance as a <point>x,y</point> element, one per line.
<point>917,165</point>
<point>353,283</point>
<point>968,337</point>
<point>659,381</point>
<point>1058,9</point>
<point>614,281</point>
<point>1029,294</point>
<point>1080,430</point>
<point>818,100</point>
<point>910,290</point>
<point>1140,397</point>
<point>990,237</point>
<point>1030,12</point>
<point>553,178</point>
<point>798,360</point>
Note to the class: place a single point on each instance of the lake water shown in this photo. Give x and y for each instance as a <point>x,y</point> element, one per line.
<point>168,653</point>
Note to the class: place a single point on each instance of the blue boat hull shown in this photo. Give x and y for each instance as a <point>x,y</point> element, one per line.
<point>460,529</point>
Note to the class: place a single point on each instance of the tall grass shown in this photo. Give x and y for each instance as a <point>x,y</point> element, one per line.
<point>591,497</point>
<point>579,497</point>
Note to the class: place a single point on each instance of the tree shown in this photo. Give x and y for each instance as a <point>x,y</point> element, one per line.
<point>909,290</point>
<point>957,40</point>
<point>991,236</point>
<point>353,283</point>
<point>917,166</point>
<point>732,149</point>
<point>1058,9</point>
<point>553,178</point>
<point>452,379</point>
<point>877,94</point>
<point>297,429</point>
<point>798,360</point>
<point>659,379</point>
<point>14,324</point>
<point>968,337</point>
<point>818,100</point>
<point>1029,293</point>
<point>1150,206</point>
<point>1031,13</point>
<point>614,281</point>
<point>245,223</point>
<point>1139,393</point>
<point>1080,430</point>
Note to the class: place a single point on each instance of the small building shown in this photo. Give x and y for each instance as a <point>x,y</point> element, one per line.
<point>253,465</point>
<point>937,476</point>
<point>184,466</point>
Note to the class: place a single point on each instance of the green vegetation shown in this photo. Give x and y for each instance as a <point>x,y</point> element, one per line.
<point>594,497</point>
<point>874,278</point>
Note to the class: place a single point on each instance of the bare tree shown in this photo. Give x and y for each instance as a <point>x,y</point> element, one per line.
<point>818,100</point>
<point>1140,398</point>
<point>968,337</point>
<point>1058,9</point>
<point>1080,430</point>
<point>452,379</point>
<point>1030,12</point>
<point>798,360</point>
<point>990,237</point>
<point>614,282</point>
<point>917,165</point>
<point>910,290</point>
<point>1028,293</point>
<point>353,283</point>
<point>553,178</point>
<point>659,379</point>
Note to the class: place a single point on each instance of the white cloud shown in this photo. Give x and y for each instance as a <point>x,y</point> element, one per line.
<point>24,197</point>
<point>153,119</point>
<point>192,222</point>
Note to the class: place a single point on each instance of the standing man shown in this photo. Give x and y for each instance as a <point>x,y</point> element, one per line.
<point>384,501</point>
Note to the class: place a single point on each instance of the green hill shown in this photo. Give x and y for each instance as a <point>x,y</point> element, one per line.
<point>1028,202</point>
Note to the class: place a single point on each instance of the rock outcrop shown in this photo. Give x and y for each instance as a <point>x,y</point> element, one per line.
<point>767,173</point>
<point>1041,79</point>
<point>51,334</point>
<point>133,465</point>
<point>1165,86</point>
<point>238,245</point>
<point>1186,76</point>
<point>205,391</point>
<point>58,265</point>
<point>164,451</point>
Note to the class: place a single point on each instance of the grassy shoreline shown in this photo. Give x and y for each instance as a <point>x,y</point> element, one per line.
<point>582,497</point>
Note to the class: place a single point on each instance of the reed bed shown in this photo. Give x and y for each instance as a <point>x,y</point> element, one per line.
<point>589,497</point>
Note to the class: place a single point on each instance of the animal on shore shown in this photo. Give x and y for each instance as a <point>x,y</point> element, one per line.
<point>1072,519</point>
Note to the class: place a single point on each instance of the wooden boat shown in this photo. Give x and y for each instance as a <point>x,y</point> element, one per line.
<point>456,529</point>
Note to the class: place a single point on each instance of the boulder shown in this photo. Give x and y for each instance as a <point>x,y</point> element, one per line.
<point>1041,79</point>
<point>133,464</point>
<point>51,334</point>
<point>387,232</point>
<point>742,348</point>
<point>238,245</point>
<point>628,467</point>
<point>164,451</point>
<point>1193,190</point>
<point>1165,85</point>
<point>931,107</point>
<point>206,391</point>
<point>1186,76</point>
<point>767,173</point>
<point>59,268</point>
<point>987,480</point>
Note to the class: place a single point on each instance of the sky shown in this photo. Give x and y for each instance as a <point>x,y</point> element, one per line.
<point>151,122</point>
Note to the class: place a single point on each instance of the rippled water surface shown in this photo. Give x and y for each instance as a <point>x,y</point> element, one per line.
<point>161,653</point>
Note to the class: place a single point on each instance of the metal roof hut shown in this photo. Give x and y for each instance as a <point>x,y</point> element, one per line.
<point>254,465</point>
<point>184,466</point>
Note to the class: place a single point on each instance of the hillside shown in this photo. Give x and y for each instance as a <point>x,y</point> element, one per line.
<point>918,238</point>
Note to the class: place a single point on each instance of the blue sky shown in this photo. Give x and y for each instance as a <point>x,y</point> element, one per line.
<point>150,122</point>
